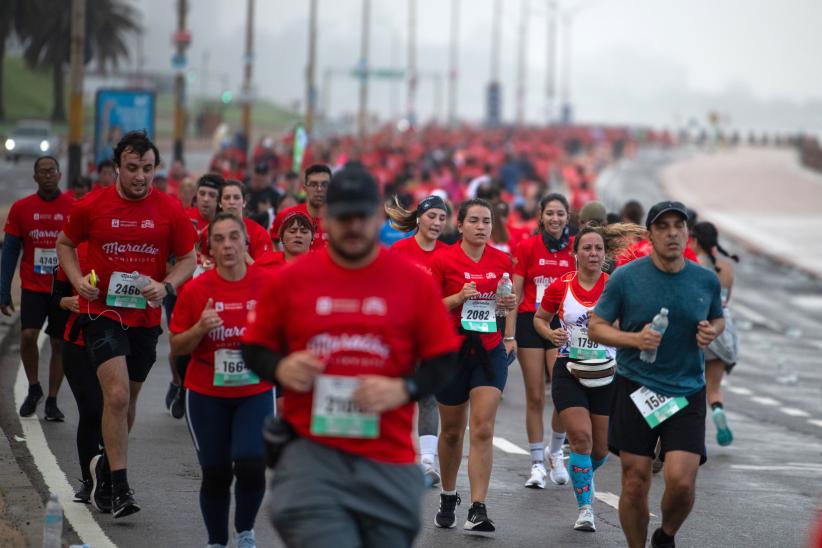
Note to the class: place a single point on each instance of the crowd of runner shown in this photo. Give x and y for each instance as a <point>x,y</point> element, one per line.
<point>311,313</point>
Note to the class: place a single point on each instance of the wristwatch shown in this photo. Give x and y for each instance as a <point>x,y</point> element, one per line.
<point>170,289</point>
<point>411,388</point>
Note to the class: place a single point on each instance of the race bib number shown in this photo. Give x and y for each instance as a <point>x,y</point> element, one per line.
<point>580,347</point>
<point>656,408</point>
<point>479,315</point>
<point>334,412</point>
<point>123,291</point>
<point>540,293</point>
<point>229,369</point>
<point>45,260</point>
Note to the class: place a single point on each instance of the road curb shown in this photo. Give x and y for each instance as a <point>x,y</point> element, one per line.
<point>675,190</point>
<point>21,504</point>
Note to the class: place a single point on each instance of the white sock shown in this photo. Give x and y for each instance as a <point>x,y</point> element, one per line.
<point>428,448</point>
<point>537,452</point>
<point>557,438</point>
<point>452,493</point>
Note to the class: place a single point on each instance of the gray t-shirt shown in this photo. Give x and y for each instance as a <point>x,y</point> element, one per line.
<point>635,293</point>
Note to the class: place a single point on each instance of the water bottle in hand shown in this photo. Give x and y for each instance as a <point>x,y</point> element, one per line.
<point>504,287</point>
<point>53,528</point>
<point>141,280</point>
<point>660,324</point>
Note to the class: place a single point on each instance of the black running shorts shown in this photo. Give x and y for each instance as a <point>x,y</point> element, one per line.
<point>106,339</point>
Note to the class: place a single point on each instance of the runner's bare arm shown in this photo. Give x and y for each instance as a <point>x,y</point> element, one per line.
<point>458,299</point>
<point>519,282</point>
<point>542,325</point>
<point>708,330</point>
<point>182,270</point>
<point>67,257</point>
<point>605,333</point>
<point>184,343</point>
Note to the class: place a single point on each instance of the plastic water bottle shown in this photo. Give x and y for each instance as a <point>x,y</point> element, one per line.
<point>660,324</point>
<point>504,287</point>
<point>53,528</point>
<point>141,281</point>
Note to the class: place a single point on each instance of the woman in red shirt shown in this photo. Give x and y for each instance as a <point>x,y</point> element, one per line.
<point>225,403</point>
<point>468,274</point>
<point>541,259</point>
<point>296,234</point>
<point>427,222</point>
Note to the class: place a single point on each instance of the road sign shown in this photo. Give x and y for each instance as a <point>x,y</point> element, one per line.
<point>118,111</point>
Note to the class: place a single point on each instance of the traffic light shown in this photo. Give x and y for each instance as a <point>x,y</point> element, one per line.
<point>227,96</point>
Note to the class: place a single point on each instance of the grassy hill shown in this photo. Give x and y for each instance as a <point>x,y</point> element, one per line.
<point>28,94</point>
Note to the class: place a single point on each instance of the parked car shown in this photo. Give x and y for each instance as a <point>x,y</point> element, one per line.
<point>31,138</point>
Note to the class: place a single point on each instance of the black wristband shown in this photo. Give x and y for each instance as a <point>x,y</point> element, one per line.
<point>411,388</point>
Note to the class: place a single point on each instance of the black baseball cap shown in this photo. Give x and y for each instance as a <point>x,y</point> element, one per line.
<point>661,208</point>
<point>352,191</point>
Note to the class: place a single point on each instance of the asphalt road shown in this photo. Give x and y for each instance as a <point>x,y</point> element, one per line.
<point>759,492</point>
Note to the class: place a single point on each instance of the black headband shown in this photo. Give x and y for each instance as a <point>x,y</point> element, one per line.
<point>431,202</point>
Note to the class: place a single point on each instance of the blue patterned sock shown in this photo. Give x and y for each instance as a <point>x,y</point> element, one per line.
<point>597,463</point>
<point>581,473</point>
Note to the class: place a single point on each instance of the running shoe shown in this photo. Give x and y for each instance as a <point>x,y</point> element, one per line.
<point>538,475</point>
<point>585,521</point>
<point>432,476</point>
<point>53,413</point>
<point>657,463</point>
<point>246,539</point>
<point>478,523</point>
<point>100,486</point>
<point>724,436</point>
<point>171,393</point>
<point>446,518</point>
<point>178,406</point>
<point>656,543</point>
<point>558,474</point>
<point>84,493</point>
<point>32,399</point>
<point>123,504</point>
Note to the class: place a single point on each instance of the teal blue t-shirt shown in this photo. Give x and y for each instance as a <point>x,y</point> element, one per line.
<point>635,293</point>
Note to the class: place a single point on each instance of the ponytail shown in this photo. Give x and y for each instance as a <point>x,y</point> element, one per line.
<point>400,218</point>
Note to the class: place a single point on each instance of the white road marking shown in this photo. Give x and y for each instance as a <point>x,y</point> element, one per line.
<point>78,515</point>
<point>776,468</point>
<point>739,390</point>
<point>815,422</point>
<point>508,447</point>
<point>794,412</point>
<point>764,400</point>
<point>755,316</point>
<point>611,500</point>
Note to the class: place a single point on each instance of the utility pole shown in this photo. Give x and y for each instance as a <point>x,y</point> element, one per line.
<point>78,32</point>
<point>362,117</point>
<point>522,61</point>
<point>310,71</point>
<point>249,63</point>
<point>494,93</point>
<point>411,112</point>
<point>566,114</point>
<point>551,63</point>
<point>453,62</point>
<point>180,79</point>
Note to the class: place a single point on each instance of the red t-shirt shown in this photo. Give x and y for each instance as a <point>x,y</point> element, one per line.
<point>452,269</point>
<point>233,301</point>
<point>642,248</point>
<point>125,236</point>
<point>320,237</point>
<point>377,320</point>
<point>409,248</point>
<point>259,242</point>
<point>200,223</point>
<point>540,267</point>
<point>37,223</point>
<point>271,260</point>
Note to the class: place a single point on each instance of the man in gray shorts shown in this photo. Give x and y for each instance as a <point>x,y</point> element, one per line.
<point>341,332</point>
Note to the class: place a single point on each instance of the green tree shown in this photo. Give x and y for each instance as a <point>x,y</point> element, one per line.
<point>11,20</point>
<point>47,37</point>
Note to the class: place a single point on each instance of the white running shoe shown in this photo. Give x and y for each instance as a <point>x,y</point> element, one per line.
<point>585,521</point>
<point>429,470</point>
<point>558,474</point>
<point>538,475</point>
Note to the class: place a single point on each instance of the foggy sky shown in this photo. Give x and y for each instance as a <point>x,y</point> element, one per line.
<point>633,61</point>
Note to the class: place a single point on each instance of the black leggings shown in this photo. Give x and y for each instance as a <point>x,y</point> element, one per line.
<point>85,386</point>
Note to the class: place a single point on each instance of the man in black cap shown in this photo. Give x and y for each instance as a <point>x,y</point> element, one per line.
<point>660,383</point>
<point>341,334</point>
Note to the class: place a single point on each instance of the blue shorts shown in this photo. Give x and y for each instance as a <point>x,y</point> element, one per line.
<point>471,374</point>
<point>227,429</point>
